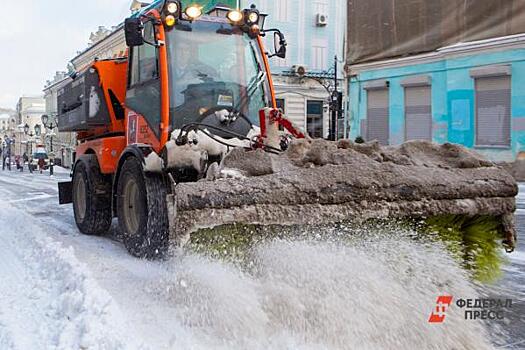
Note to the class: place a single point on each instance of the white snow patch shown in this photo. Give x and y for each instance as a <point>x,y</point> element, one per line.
<point>154,163</point>
<point>48,299</point>
<point>227,173</point>
<point>186,156</point>
<point>201,147</point>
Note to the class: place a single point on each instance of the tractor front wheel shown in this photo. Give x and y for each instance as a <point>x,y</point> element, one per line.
<point>142,211</point>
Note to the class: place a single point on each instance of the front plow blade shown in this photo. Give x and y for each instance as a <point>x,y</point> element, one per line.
<point>324,182</point>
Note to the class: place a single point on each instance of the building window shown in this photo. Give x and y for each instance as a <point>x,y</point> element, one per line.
<point>377,125</point>
<point>282,10</point>
<point>320,7</point>
<point>314,119</point>
<point>493,99</point>
<point>319,57</point>
<point>418,113</point>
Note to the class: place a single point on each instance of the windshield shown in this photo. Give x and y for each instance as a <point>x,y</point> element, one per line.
<point>215,67</point>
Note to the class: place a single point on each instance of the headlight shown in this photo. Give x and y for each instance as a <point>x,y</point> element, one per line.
<point>170,20</point>
<point>253,17</point>
<point>172,8</point>
<point>235,16</point>
<point>193,12</point>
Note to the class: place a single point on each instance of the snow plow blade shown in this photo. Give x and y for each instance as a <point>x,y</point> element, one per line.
<point>318,182</point>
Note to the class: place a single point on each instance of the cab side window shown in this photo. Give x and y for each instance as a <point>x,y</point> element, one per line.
<point>143,94</point>
<point>144,63</point>
<point>149,68</point>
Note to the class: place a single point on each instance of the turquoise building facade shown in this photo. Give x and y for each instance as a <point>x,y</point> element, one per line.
<point>475,92</point>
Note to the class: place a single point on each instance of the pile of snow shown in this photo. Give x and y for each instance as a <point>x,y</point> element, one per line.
<point>48,299</point>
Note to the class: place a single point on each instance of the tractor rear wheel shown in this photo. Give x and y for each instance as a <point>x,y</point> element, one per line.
<point>91,197</point>
<point>142,211</point>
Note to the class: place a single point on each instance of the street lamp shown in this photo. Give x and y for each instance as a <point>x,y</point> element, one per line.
<point>50,122</point>
<point>3,143</point>
<point>30,142</point>
<point>38,130</point>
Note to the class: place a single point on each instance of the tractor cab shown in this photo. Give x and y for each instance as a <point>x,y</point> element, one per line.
<point>211,69</point>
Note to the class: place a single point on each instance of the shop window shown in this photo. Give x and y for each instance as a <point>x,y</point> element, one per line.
<point>314,119</point>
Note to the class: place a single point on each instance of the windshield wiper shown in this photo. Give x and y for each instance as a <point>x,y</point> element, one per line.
<point>258,80</point>
<point>251,90</point>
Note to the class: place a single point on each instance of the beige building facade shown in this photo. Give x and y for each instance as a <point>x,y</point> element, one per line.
<point>61,143</point>
<point>104,44</point>
<point>29,111</point>
<point>7,124</point>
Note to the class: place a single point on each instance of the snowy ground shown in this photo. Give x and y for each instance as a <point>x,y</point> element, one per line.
<point>62,290</point>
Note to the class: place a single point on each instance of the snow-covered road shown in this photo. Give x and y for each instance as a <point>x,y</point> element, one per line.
<point>63,290</point>
<point>57,284</point>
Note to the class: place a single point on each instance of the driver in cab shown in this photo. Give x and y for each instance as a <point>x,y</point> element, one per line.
<point>189,69</point>
<point>192,77</point>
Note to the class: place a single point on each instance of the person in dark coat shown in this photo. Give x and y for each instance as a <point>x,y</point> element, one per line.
<point>41,164</point>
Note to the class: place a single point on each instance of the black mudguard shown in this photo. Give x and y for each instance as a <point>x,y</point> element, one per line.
<point>65,192</point>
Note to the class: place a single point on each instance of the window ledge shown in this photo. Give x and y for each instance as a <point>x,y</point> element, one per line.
<point>493,147</point>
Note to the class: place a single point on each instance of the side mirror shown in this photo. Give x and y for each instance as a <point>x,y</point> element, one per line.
<point>279,43</point>
<point>134,28</point>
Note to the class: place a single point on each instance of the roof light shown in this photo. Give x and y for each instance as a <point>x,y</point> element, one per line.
<point>235,16</point>
<point>193,12</point>
<point>172,7</point>
<point>170,20</point>
<point>251,15</point>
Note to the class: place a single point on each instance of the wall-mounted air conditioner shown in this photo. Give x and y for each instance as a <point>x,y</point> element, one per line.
<point>300,70</point>
<point>321,20</point>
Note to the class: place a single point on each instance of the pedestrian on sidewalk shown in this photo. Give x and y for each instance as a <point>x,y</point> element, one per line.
<point>41,164</point>
<point>25,160</point>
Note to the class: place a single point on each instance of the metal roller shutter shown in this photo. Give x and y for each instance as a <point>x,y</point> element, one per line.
<point>493,111</point>
<point>378,116</point>
<point>418,113</point>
